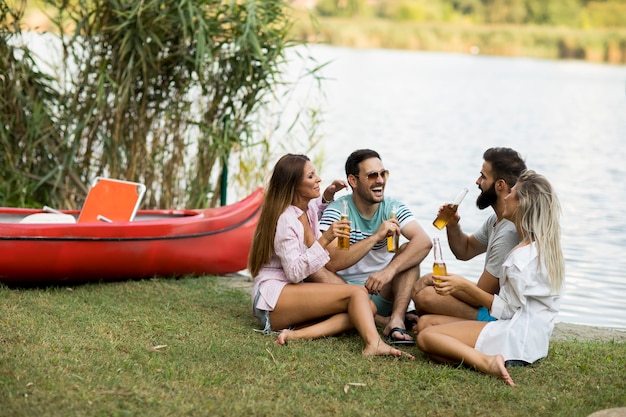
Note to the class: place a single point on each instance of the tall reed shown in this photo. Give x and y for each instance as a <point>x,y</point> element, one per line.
<point>158,91</point>
<point>29,130</point>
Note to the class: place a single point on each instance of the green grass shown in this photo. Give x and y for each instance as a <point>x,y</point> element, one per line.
<point>96,350</point>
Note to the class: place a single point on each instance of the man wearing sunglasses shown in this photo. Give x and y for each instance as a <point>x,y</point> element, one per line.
<point>389,277</point>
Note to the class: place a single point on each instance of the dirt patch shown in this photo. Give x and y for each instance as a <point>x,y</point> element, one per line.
<point>568,331</point>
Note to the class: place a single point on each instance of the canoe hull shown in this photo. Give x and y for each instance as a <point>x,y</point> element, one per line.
<point>158,243</point>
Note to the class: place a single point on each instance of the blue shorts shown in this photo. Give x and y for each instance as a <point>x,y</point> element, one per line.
<point>483,315</point>
<point>383,307</point>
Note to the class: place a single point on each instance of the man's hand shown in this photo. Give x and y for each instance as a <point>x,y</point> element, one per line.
<point>387,228</point>
<point>378,280</point>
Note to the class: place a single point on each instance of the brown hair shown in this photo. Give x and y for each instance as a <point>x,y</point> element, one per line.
<point>356,157</point>
<point>506,164</point>
<point>286,176</point>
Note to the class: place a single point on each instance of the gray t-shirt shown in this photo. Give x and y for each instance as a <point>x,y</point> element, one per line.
<point>500,238</point>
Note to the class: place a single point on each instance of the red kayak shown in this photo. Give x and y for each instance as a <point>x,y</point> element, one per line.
<point>156,243</point>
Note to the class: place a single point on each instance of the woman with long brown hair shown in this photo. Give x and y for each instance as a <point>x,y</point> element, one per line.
<point>288,248</point>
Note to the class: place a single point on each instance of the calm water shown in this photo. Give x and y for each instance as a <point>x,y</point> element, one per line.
<point>432,115</point>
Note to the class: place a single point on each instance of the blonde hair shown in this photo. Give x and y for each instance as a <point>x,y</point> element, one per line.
<point>286,176</point>
<point>538,219</point>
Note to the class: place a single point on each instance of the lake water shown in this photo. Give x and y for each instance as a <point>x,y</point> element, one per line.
<point>432,115</point>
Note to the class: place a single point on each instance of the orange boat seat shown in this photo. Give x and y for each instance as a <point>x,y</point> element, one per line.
<point>112,200</point>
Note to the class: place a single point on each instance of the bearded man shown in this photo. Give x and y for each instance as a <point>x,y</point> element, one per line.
<point>497,236</point>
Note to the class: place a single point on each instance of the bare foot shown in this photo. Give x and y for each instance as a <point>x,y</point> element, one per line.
<point>498,369</point>
<point>283,337</point>
<point>415,329</point>
<point>411,317</point>
<point>383,349</point>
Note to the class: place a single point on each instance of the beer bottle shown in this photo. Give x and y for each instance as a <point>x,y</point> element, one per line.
<point>449,210</point>
<point>344,242</point>
<point>439,266</point>
<point>393,241</point>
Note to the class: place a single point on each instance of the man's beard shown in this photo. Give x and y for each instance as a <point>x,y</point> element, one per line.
<point>487,198</point>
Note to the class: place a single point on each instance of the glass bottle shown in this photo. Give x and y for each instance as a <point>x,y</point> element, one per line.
<point>393,241</point>
<point>343,243</point>
<point>448,210</point>
<point>439,266</point>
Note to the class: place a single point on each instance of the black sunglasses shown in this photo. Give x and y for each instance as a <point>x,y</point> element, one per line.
<point>373,176</point>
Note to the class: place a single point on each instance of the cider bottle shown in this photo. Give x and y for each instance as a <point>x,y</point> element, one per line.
<point>439,266</point>
<point>393,241</point>
<point>343,243</point>
<point>449,209</point>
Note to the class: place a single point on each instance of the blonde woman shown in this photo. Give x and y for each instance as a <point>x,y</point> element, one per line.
<point>288,248</point>
<point>528,302</point>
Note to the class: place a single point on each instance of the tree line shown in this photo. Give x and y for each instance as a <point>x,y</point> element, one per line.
<point>571,13</point>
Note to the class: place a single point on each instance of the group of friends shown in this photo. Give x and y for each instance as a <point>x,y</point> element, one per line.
<point>306,287</point>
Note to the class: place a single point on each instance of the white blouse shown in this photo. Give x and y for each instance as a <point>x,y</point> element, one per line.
<point>526,308</point>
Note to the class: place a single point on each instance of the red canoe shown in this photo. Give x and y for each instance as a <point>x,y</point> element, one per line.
<point>156,243</point>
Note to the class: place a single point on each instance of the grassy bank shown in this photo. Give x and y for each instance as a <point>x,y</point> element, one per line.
<point>186,347</point>
<point>597,45</point>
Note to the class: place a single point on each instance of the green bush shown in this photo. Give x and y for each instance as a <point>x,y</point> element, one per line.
<point>158,91</point>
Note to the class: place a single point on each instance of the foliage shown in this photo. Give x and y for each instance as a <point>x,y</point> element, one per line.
<point>161,92</point>
<point>571,13</point>
<point>186,347</point>
<point>29,133</point>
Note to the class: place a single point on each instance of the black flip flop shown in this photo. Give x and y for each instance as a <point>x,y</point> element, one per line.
<point>393,341</point>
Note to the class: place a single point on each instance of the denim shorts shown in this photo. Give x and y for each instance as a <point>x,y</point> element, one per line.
<point>262,315</point>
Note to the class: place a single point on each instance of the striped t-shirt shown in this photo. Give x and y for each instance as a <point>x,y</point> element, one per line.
<point>362,228</point>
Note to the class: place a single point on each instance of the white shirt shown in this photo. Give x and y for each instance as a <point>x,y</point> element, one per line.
<point>526,308</point>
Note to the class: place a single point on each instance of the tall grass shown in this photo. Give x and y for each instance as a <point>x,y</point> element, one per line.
<point>29,129</point>
<point>157,91</point>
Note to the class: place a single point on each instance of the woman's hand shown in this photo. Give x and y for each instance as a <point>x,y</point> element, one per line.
<point>449,284</point>
<point>340,228</point>
<point>329,192</point>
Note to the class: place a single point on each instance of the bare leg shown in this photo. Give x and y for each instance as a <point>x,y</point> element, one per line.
<point>401,290</point>
<point>325,276</point>
<point>336,324</point>
<point>301,303</point>
<point>428,301</point>
<point>454,341</point>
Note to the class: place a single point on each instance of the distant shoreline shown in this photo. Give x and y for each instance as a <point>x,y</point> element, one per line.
<point>544,42</point>
<point>569,331</point>
<point>562,331</point>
